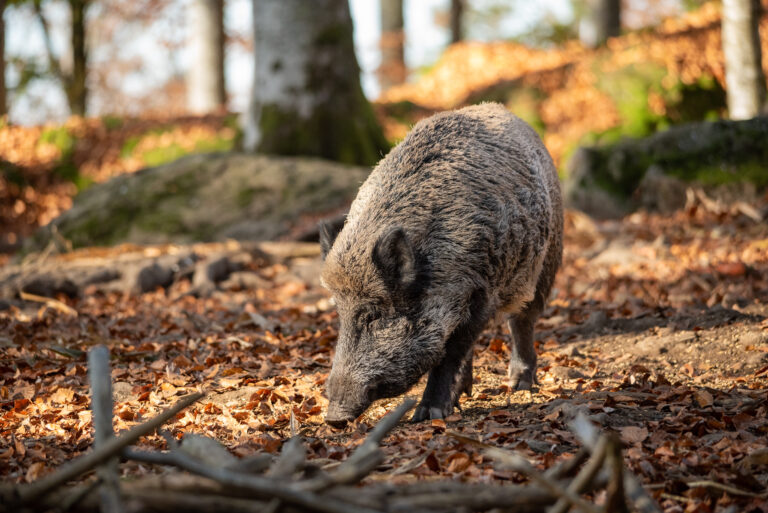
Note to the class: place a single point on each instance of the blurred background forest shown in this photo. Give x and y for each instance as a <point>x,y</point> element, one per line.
<point>93,89</point>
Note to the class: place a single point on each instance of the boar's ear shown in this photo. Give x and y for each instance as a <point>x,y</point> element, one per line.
<point>393,256</point>
<point>328,233</point>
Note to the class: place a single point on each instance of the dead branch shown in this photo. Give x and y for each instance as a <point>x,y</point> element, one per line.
<point>588,435</point>
<point>101,406</point>
<point>365,458</point>
<point>585,477</point>
<point>516,462</point>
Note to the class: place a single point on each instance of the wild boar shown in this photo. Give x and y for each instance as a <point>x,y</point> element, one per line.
<point>459,223</point>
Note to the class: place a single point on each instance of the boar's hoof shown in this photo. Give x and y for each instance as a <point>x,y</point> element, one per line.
<point>520,380</point>
<point>425,412</point>
<point>337,423</point>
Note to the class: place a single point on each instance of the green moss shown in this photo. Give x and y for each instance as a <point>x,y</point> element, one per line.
<point>334,34</point>
<point>708,153</point>
<point>351,140</point>
<point>214,145</point>
<point>163,155</point>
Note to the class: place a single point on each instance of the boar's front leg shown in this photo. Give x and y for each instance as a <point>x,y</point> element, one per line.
<point>446,382</point>
<point>453,375</point>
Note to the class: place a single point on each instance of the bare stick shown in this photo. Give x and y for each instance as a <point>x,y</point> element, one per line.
<point>568,467</point>
<point>725,488</point>
<point>33,491</point>
<point>615,501</point>
<point>585,477</point>
<point>292,459</point>
<point>588,435</point>
<point>520,464</point>
<point>365,458</point>
<point>253,485</point>
<point>101,406</point>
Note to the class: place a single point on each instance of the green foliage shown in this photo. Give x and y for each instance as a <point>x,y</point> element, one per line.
<point>631,88</point>
<point>60,138</point>
<point>111,122</point>
<point>65,168</point>
<point>129,145</point>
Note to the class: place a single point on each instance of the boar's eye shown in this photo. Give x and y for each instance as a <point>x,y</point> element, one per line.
<point>365,316</point>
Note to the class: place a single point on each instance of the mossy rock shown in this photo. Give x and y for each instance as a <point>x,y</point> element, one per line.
<point>603,180</point>
<point>205,198</point>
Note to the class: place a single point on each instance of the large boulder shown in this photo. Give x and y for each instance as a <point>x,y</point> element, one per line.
<point>611,180</point>
<point>205,198</point>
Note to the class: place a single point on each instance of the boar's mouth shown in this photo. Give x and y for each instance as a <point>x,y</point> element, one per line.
<point>338,416</point>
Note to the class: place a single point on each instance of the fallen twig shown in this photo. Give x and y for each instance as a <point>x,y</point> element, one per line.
<point>588,435</point>
<point>101,406</point>
<point>516,462</point>
<point>365,458</point>
<point>725,488</point>
<point>50,302</point>
<point>585,477</point>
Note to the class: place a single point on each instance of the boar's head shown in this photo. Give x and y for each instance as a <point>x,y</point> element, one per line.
<point>387,340</point>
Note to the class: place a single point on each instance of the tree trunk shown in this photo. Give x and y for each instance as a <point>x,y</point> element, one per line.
<point>205,78</point>
<point>744,77</point>
<point>457,20</point>
<point>77,91</point>
<point>601,21</point>
<point>306,97</point>
<point>3,93</point>
<point>392,70</point>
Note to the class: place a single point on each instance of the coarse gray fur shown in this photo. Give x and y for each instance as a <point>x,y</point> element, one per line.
<point>462,221</point>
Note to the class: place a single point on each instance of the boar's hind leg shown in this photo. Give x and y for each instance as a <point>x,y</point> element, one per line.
<point>453,375</point>
<point>522,363</point>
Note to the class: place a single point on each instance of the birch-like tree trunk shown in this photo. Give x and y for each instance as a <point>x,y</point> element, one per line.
<point>744,77</point>
<point>206,90</point>
<point>392,70</point>
<point>306,97</point>
<point>601,21</point>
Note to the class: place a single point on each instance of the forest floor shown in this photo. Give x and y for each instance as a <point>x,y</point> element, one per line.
<point>657,330</point>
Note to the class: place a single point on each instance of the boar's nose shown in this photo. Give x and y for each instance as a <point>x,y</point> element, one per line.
<point>337,423</point>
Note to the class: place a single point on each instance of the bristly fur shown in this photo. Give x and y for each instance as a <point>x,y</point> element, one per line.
<point>458,223</point>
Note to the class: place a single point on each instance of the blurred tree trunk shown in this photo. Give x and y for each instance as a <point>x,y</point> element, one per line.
<point>206,90</point>
<point>3,93</point>
<point>392,70</point>
<point>601,21</point>
<point>77,92</point>
<point>74,80</point>
<point>457,20</point>
<point>744,77</point>
<point>306,97</point>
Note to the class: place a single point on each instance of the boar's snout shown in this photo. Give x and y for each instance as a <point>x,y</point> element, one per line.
<point>337,418</point>
<point>347,399</point>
